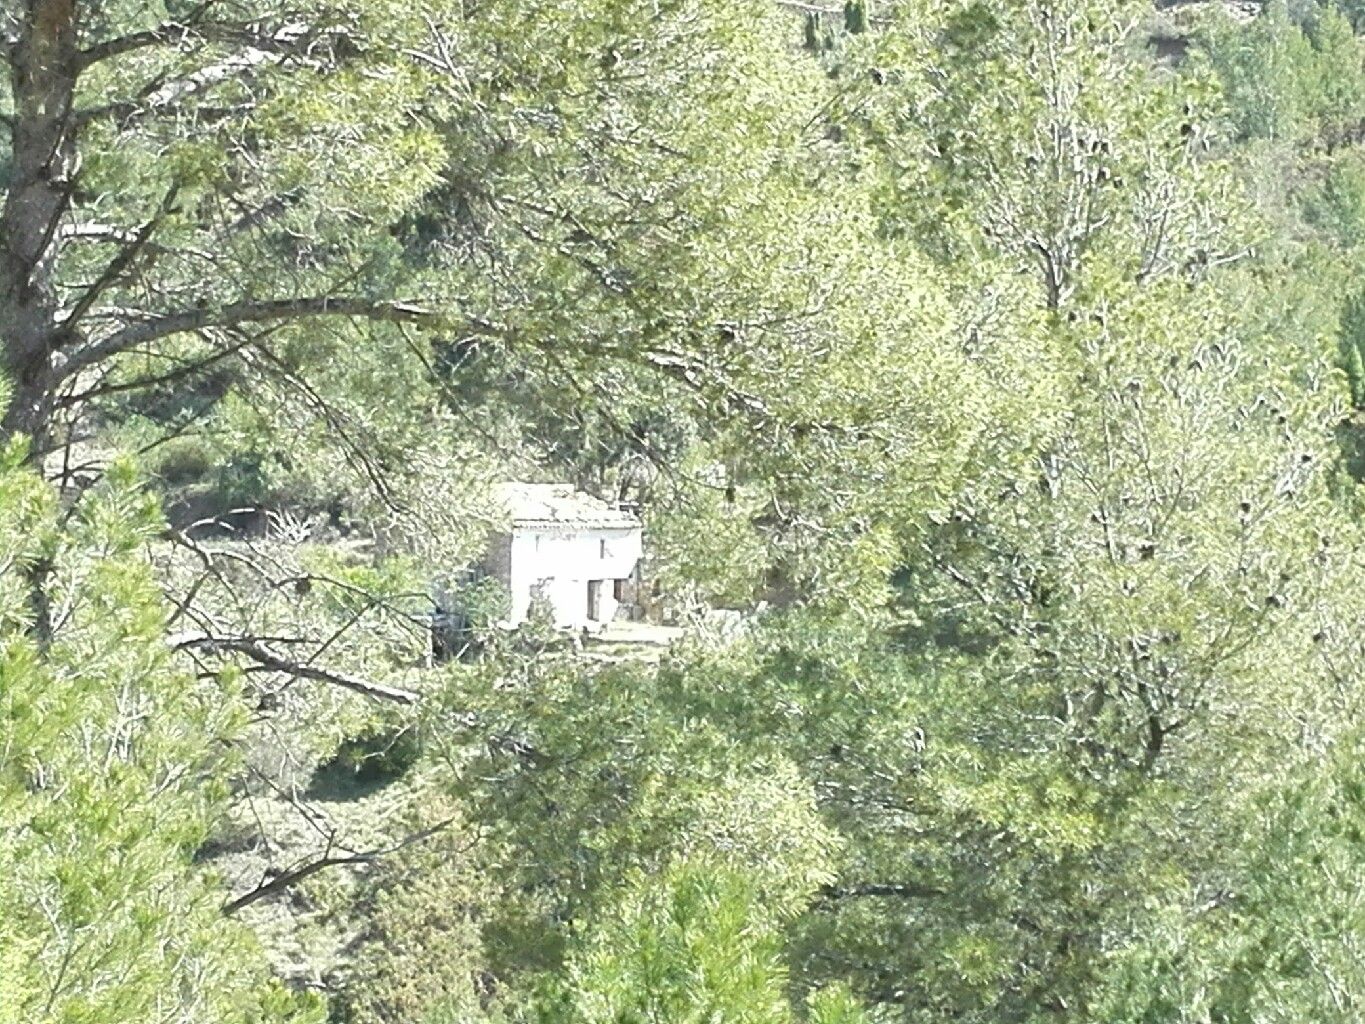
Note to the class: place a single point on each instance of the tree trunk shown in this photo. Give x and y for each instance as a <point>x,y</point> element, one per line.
<point>44,64</point>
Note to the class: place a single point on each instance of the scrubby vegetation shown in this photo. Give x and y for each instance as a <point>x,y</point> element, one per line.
<point>997,369</point>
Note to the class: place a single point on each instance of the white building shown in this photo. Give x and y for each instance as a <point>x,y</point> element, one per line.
<point>568,548</point>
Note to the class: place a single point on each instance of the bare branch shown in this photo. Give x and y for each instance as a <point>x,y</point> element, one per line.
<point>185,368</point>
<point>251,648</point>
<point>162,34</point>
<point>283,881</point>
<point>121,262</point>
<point>291,38</point>
<point>161,326</point>
<point>903,891</point>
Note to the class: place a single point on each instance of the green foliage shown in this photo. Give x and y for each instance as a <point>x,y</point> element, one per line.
<point>112,776</point>
<point>419,955</point>
<point>1277,937</point>
<point>700,937</point>
<point>1340,101</point>
<point>999,366</point>
<point>1036,699</point>
<point>694,943</point>
<point>1352,343</point>
<point>1287,80</point>
<point>707,546</point>
<point>1269,74</point>
<point>1055,153</point>
<point>1337,206</point>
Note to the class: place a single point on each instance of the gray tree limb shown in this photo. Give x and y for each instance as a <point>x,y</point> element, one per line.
<point>253,649</point>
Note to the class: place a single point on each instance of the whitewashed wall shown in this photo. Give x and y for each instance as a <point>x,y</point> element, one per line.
<point>560,562</point>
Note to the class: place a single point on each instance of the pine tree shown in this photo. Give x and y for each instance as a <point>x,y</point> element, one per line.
<point>113,772</point>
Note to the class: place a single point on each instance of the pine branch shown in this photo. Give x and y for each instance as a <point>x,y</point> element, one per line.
<point>165,325</point>
<point>290,39</point>
<point>251,648</point>
<point>121,262</point>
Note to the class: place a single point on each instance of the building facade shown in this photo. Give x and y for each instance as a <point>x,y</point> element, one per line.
<point>576,554</point>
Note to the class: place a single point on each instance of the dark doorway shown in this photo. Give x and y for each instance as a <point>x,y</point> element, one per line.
<point>595,600</point>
